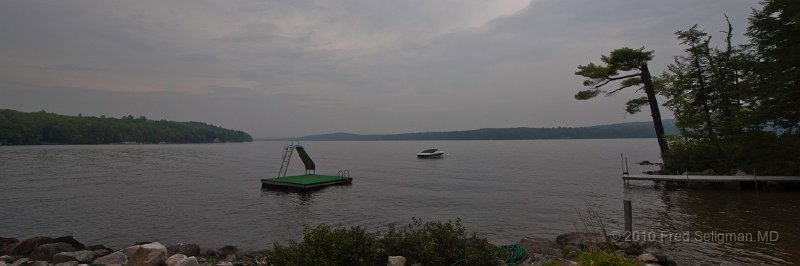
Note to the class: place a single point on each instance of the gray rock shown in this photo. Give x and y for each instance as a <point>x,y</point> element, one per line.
<point>25,247</point>
<point>538,245</point>
<point>116,258</point>
<point>3,263</point>
<point>152,254</point>
<point>230,252</point>
<point>21,261</point>
<point>83,256</point>
<point>39,263</point>
<point>396,261</point>
<point>185,249</point>
<point>647,258</point>
<point>70,240</point>
<point>581,239</point>
<point>5,242</point>
<point>47,251</point>
<point>628,247</point>
<point>101,252</point>
<point>6,259</point>
<point>175,259</point>
<point>224,263</point>
<point>68,263</point>
<point>190,261</point>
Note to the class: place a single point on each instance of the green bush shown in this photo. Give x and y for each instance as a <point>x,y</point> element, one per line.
<point>427,243</point>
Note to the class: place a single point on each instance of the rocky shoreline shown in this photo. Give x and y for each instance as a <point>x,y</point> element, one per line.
<point>565,249</point>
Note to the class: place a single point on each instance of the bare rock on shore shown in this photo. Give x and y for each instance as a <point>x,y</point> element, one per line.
<point>580,239</point>
<point>83,256</point>
<point>538,245</point>
<point>25,247</point>
<point>182,260</point>
<point>6,259</point>
<point>68,263</point>
<point>185,249</point>
<point>46,252</point>
<point>115,258</point>
<point>152,254</point>
<point>5,242</point>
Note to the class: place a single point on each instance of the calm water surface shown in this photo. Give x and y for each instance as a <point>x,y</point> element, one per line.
<point>210,194</point>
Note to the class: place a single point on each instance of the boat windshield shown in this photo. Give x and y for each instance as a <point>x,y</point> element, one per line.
<point>429,151</point>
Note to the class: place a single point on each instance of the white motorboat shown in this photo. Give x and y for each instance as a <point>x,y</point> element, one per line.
<point>430,153</point>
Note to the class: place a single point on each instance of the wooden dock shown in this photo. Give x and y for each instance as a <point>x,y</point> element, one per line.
<point>711,178</point>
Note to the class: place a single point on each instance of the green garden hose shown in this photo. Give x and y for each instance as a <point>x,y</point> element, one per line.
<point>515,254</point>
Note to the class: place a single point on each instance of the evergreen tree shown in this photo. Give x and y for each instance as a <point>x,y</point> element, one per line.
<point>625,60</point>
<point>775,39</point>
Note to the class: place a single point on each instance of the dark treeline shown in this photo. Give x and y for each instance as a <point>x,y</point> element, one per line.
<point>20,128</point>
<point>624,130</point>
<point>737,106</point>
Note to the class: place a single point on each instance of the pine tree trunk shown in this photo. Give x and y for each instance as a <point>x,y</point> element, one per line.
<point>655,113</point>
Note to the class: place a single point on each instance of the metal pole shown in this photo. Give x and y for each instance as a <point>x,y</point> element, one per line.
<point>755,178</point>
<point>626,203</point>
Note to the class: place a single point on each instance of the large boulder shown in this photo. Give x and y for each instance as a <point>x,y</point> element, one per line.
<point>83,256</point>
<point>47,251</point>
<point>185,249</point>
<point>115,258</point>
<point>182,260</point>
<point>539,245</point>
<point>6,259</point>
<point>68,263</point>
<point>70,240</point>
<point>581,239</point>
<point>25,247</point>
<point>152,254</point>
<point>5,242</point>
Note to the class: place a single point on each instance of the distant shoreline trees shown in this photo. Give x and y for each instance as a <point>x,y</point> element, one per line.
<point>21,128</point>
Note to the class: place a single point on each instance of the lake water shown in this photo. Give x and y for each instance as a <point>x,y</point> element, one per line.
<point>210,194</point>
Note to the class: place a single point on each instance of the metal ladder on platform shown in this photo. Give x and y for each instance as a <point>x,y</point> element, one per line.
<point>287,156</point>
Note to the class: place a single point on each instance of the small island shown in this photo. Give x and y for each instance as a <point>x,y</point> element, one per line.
<point>37,128</point>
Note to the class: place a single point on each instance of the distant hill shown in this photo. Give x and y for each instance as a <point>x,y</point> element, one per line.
<point>612,131</point>
<point>20,128</point>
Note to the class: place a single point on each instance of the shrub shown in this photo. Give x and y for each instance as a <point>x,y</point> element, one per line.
<point>604,258</point>
<point>427,243</point>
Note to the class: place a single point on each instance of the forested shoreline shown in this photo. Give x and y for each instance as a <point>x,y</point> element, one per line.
<point>737,106</point>
<point>36,128</point>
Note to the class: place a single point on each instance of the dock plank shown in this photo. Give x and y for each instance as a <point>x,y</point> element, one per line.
<point>711,178</point>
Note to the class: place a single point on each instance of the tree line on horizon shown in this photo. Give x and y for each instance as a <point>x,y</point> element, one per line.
<point>21,128</point>
<point>737,106</point>
<point>612,131</point>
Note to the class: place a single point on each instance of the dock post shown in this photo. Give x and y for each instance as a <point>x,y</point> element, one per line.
<point>628,215</point>
<point>626,205</point>
<point>755,178</point>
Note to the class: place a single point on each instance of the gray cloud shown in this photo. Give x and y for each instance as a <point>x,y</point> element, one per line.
<point>319,66</point>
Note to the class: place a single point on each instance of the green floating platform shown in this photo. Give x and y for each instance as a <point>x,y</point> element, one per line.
<point>308,181</point>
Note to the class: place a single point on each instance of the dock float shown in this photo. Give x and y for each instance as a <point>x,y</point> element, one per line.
<point>309,181</point>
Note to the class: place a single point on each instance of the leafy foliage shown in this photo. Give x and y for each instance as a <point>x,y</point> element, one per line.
<point>428,243</point>
<point>19,128</point>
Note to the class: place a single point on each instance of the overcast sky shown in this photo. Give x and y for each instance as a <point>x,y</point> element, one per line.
<point>296,67</point>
